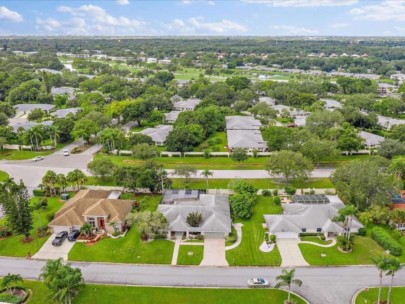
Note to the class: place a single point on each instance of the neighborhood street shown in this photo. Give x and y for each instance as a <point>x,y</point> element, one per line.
<point>321,285</point>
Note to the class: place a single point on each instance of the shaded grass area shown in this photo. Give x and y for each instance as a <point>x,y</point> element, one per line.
<point>3,176</point>
<point>371,295</point>
<point>190,255</point>
<point>128,249</point>
<point>248,252</point>
<point>159,295</point>
<point>13,246</point>
<point>216,142</point>
<point>364,250</point>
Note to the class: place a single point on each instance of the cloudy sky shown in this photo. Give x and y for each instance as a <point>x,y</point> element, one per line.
<point>203,17</point>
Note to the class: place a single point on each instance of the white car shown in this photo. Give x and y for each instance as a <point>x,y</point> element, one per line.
<point>38,158</point>
<point>258,282</point>
<point>65,152</point>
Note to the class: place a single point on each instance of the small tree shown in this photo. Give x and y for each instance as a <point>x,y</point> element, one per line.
<point>291,165</point>
<point>10,282</point>
<point>194,219</point>
<point>393,267</point>
<point>151,225</point>
<point>287,279</point>
<point>186,171</point>
<point>86,229</point>
<point>239,155</point>
<point>382,264</point>
<point>206,173</point>
<point>101,167</point>
<point>144,151</point>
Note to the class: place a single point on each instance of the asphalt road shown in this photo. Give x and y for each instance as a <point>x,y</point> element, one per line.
<point>327,285</point>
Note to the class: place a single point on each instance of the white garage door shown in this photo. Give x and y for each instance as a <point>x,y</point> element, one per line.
<point>287,235</point>
<point>57,229</point>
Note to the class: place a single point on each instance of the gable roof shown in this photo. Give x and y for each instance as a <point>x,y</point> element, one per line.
<point>91,203</point>
<point>187,104</point>
<point>371,139</point>
<point>158,133</point>
<point>310,216</point>
<point>242,123</point>
<point>245,139</point>
<point>214,209</point>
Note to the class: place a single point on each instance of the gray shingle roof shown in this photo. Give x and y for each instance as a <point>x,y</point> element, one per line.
<point>214,209</point>
<point>28,107</point>
<point>371,139</point>
<point>172,116</point>
<point>158,133</point>
<point>187,104</point>
<point>242,123</point>
<point>62,113</point>
<point>245,139</point>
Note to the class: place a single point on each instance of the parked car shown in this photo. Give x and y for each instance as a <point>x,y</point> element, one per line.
<point>66,152</point>
<point>59,238</point>
<point>73,235</point>
<point>258,282</point>
<point>38,158</point>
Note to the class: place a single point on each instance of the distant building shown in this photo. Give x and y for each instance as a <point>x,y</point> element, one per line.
<point>242,123</point>
<point>171,117</point>
<point>246,139</point>
<point>186,105</point>
<point>67,91</point>
<point>26,108</point>
<point>331,104</point>
<point>371,140</point>
<point>158,133</point>
<point>62,113</point>
<point>386,88</point>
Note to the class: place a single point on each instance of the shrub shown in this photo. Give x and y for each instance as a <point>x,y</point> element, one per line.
<point>385,240</point>
<point>39,192</point>
<point>322,237</point>
<point>75,150</point>
<point>312,191</point>
<point>50,217</point>
<point>275,192</point>
<point>242,205</point>
<point>215,149</point>
<point>266,238</point>
<point>273,238</point>
<point>290,190</point>
<point>206,154</point>
<point>41,204</point>
<point>42,231</point>
<point>362,232</point>
<point>8,298</point>
<point>266,192</point>
<point>396,234</point>
<point>5,232</point>
<point>277,201</point>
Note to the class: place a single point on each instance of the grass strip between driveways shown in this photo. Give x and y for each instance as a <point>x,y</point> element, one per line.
<point>190,254</point>
<point>370,295</point>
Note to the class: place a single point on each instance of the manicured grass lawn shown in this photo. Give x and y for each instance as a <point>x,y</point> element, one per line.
<point>13,246</point>
<point>248,252</point>
<point>158,295</point>
<point>185,258</point>
<point>315,239</point>
<point>129,249</point>
<point>371,295</point>
<point>107,294</point>
<point>220,146</point>
<point>147,201</point>
<point>364,250</point>
<point>3,176</point>
<point>20,155</point>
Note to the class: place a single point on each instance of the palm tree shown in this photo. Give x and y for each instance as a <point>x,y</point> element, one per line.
<point>346,217</point>
<point>54,134</point>
<point>398,167</point>
<point>77,177</point>
<point>10,281</point>
<point>206,173</point>
<point>49,180</point>
<point>62,182</point>
<point>382,264</point>
<point>287,279</point>
<point>393,266</point>
<point>35,133</point>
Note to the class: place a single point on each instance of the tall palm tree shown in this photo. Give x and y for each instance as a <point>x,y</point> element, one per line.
<point>346,217</point>
<point>382,264</point>
<point>287,279</point>
<point>50,179</point>
<point>206,173</point>
<point>398,167</point>
<point>54,134</point>
<point>35,133</point>
<point>393,266</point>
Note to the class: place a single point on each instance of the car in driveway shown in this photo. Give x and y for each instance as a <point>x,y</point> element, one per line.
<point>258,282</point>
<point>66,152</point>
<point>73,235</point>
<point>59,238</point>
<point>38,158</point>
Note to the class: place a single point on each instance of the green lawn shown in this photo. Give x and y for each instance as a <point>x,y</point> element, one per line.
<point>13,246</point>
<point>364,250</point>
<point>129,249</point>
<point>248,252</point>
<point>190,255</point>
<point>315,239</point>
<point>20,155</point>
<point>219,147</point>
<point>3,176</point>
<point>370,295</point>
<point>148,202</point>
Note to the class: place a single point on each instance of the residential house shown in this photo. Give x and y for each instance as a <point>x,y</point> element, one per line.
<point>292,112</point>
<point>171,117</point>
<point>62,113</point>
<point>398,77</point>
<point>158,133</point>
<point>371,140</point>
<point>182,83</point>
<point>19,124</point>
<point>246,139</point>
<point>388,122</point>
<point>129,125</point>
<point>101,209</point>
<point>309,214</point>
<point>214,209</point>
<point>186,105</point>
<point>242,123</point>
<point>331,104</point>
<point>386,88</point>
<point>26,108</point>
<point>67,91</point>
<point>267,100</point>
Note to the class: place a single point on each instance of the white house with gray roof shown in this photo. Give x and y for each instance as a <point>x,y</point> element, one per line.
<point>67,91</point>
<point>242,123</point>
<point>371,140</point>
<point>293,112</point>
<point>309,214</point>
<point>171,117</point>
<point>186,105</point>
<point>158,133</point>
<point>26,108</point>
<point>246,139</point>
<point>331,104</point>
<point>389,122</point>
<point>62,113</point>
<point>214,209</point>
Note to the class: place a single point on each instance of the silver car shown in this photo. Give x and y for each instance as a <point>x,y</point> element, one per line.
<point>258,282</point>
<point>38,158</point>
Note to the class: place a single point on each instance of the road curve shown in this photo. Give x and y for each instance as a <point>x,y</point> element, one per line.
<point>321,285</point>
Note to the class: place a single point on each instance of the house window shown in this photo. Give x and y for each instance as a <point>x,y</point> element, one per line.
<point>92,221</point>
<point>304,229</point>
<point>318,229</point>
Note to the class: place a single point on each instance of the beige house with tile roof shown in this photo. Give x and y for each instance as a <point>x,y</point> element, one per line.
<point>99,208</point>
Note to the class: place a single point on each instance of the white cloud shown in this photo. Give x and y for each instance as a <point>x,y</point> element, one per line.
<point>211,3</point>
<point>339,25</point>
<point>186,2</point>
<point>7,14</point>
<point>383,11</point>
<point>122,2</point>
<point>290,30</point>
<point>303,3</point>
<point>198,26</point>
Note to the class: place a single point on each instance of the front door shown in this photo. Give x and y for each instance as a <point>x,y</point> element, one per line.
<point>102,223</point>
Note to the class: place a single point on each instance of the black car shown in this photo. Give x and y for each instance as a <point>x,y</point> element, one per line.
<point>59,238</point>
<point>73,235</point>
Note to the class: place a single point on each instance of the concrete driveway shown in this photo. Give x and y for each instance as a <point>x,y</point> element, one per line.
<point>214,250</point>
<point>50,252</point>
<point>290,252</point>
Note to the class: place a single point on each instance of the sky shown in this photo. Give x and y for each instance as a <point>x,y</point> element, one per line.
<point>203,17</point>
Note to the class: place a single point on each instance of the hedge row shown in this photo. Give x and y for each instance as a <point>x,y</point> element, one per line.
<point>386,241</point>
